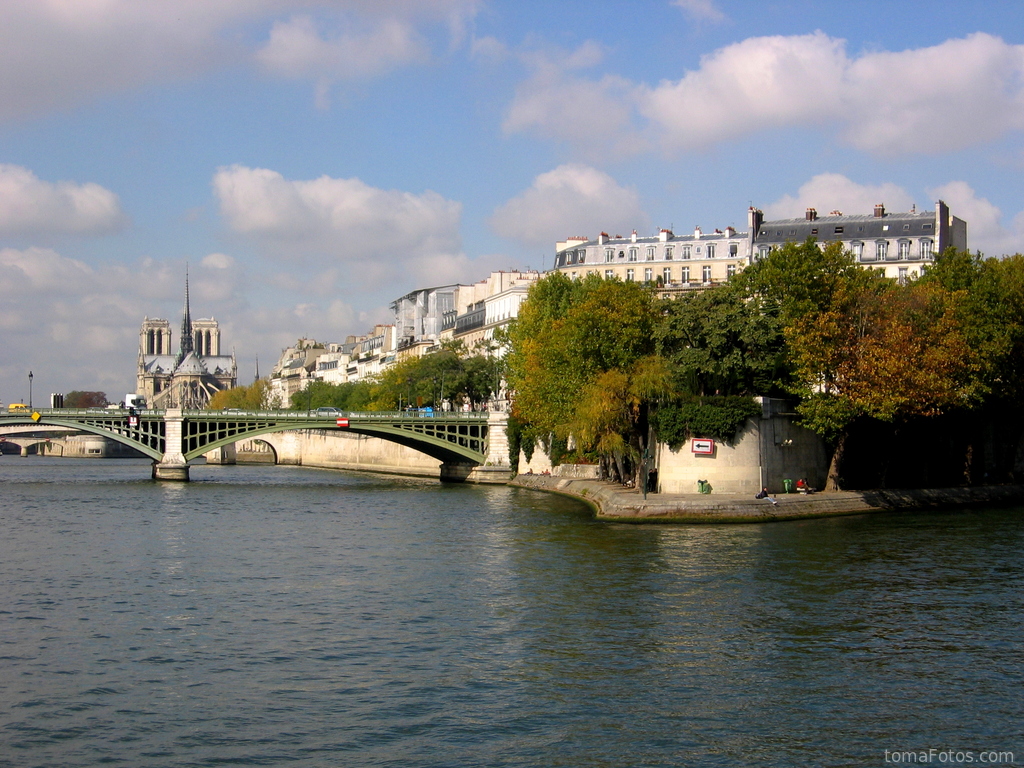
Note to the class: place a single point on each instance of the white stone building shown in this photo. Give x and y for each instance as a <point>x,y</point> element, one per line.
<point>900,245</point>
<point>676,262</point>
<point>486,306</point>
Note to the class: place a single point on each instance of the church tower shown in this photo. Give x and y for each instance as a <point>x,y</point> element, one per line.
<point>190,377</point>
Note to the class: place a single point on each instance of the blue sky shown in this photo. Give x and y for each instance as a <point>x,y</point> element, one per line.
<point>313,160</point>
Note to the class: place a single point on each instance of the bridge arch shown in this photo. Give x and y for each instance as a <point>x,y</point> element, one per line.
<point>153,449</point>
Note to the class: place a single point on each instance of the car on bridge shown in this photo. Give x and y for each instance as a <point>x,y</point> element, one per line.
<point>329,413</point>
<point>17,408</point>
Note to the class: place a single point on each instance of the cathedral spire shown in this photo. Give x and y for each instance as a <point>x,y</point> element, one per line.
<point>186,343</point>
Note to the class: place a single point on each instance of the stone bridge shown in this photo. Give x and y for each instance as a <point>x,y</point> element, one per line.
<point>471,447</point>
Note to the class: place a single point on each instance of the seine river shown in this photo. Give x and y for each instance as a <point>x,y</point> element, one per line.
<point>289,616</point>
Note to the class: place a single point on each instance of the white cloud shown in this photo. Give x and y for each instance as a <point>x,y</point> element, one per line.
<point>759,83</point>
<point>594,116</point>
<point>58,54</point>
<point>570,200</point>
<point>339,222</point>
<point>827,192</point>
<point>298,49</point>
<point>884,103</point>
<point>29,205</point>
<point>700,10</point>
<point>218,261</point>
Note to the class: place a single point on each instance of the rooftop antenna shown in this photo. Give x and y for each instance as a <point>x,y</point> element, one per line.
<point>257,368</point>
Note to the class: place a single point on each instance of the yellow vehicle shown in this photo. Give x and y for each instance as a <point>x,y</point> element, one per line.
<point>17,408</point>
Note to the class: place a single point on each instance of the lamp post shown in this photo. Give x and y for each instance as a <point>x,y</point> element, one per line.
<point>30,390</point>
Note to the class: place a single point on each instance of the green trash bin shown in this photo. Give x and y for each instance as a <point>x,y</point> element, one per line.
<point>787,485</point>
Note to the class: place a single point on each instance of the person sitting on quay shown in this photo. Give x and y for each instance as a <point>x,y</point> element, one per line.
<point>803,487</point>
<point>764,495</point>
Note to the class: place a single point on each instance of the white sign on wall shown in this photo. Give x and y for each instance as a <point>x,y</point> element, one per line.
<point>702,446</point>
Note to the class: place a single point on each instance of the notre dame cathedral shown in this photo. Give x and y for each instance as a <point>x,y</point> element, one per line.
<point>189,377</point>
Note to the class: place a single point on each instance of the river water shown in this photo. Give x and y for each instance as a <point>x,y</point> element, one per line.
<point>291,616</point>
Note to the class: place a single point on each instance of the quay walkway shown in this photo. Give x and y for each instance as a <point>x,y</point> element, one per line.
<point>613,502</point>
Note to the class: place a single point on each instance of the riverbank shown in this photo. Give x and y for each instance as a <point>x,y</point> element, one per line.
<point>612,502</point>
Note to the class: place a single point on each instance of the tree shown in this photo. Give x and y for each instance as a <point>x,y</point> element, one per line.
<point>254,397</point>
<point>881,350</point>
<point>82,399</point>
<point>723,342</point>
<point>573,348</point>
<point>349,396</point>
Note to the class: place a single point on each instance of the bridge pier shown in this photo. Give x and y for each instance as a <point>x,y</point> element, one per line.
<point>172,465</point>
<point>496,468</point>
<point>170,471</point>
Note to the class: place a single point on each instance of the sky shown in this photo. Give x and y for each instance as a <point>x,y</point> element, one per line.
<point>310,161</point>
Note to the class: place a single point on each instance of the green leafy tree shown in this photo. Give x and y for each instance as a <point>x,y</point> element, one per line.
<point>723,342</point>
<point>574,343</point>
<point>349,396</point>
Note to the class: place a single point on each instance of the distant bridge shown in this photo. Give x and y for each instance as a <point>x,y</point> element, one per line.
<point>464,443</point>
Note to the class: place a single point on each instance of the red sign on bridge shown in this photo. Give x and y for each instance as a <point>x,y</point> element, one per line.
<point>343,423</point>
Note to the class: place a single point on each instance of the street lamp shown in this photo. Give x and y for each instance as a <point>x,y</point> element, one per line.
<point>30,390</point>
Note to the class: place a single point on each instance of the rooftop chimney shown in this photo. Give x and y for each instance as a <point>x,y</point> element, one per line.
<point>811,214</point>
<point>879,211</point>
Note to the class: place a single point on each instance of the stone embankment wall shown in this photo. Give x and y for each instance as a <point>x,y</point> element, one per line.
<point>86,447</point>
<point>613,503</point>
<point>343,450</point>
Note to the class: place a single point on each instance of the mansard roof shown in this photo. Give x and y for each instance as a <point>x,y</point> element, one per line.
<point>692,237</point>
<point>846,228</point>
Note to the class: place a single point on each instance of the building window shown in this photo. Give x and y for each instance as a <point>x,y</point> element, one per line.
<point>581,256</point>
<point>648,274</point>
<point>684,275</point>
<point>734,250</point>
<point>763,251</point>
<point>857,249</point>
<point>711,252</point>
<point>686,252</point>
<point>697,250</point>
<point>573,275</point>
<point>608,274</point>
<point>730,270</point>
<point>630,275</point>
<point>926,249</point>
<point>902,276</point>
<point>666,275</point>
<point>904,249</point>
<point>609,254</point>
<point>622,254</point>
<point>881,249</point>
<point>632,254</point>
<point>668,253</point>
<point>650,253</point>
<point>706,273</point>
